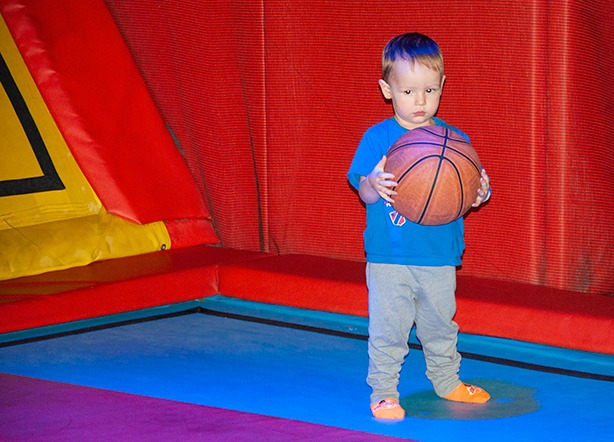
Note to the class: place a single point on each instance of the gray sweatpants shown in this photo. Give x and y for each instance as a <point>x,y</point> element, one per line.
<point>399,297</point>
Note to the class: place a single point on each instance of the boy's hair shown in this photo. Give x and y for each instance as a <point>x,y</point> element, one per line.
<point>413,47</point>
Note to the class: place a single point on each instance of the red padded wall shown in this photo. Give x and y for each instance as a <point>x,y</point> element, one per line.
<point>269,100</point>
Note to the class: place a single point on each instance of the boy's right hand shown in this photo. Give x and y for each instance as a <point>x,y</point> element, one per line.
<point>382,182</point>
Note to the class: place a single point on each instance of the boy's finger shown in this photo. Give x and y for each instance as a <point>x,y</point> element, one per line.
<point>388,184</point>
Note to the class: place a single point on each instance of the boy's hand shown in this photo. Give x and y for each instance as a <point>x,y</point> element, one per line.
<point>382,182</point>
<point>484,192</point>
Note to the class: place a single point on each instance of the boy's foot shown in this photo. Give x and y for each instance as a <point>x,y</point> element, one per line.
<point>468,393</point>
<point>387,409</point>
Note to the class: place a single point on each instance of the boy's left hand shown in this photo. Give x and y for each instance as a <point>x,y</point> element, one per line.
<point>484,192</point>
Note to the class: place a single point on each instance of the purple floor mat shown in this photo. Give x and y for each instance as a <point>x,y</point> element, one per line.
<point>39,410</point>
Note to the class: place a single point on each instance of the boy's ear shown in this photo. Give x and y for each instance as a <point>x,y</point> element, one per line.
<point>385,87</point>
<point>443,80</point>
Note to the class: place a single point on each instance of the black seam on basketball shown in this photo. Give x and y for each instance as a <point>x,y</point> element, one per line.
<point>467,157</point>
<point>462,190</point>
<point>411,143</point>
<point>409,169</point>
<point>442,157</point>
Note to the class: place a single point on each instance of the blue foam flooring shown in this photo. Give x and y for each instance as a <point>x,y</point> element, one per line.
<point>319,378</point>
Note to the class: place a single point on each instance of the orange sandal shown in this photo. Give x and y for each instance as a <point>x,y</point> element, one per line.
<point>469,394</point>
<point>387,409</point>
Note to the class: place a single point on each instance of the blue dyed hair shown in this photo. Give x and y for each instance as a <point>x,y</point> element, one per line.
<point>414,48</point>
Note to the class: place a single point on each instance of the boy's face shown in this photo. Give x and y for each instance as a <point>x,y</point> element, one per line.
<point>415,93</point>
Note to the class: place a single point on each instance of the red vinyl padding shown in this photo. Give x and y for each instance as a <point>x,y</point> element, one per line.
<point>114,286</point>
<point>301,281</point>
<point>491,308</point>
<point>485,307</point>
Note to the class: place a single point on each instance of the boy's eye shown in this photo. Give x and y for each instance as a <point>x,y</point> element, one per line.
<point>431,90</point>
<point>408,92</point>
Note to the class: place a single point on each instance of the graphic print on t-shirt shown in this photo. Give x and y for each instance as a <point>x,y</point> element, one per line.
<point>395,217</point>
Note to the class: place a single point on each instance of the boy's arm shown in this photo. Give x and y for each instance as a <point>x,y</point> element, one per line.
<point>378,184</point>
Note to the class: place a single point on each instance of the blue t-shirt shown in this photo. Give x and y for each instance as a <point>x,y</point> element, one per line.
<point>390,238</point>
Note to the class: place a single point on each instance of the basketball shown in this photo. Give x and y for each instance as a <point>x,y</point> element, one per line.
<point>437,173</point>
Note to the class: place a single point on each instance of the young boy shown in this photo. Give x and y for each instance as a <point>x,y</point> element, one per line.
<point>411,269</point>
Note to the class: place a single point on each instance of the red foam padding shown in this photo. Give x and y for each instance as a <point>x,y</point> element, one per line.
<point>303,281</point>
<point>190,232</point>
<point>114,286</point>
<point>485,307</point>
<point>536,314</point>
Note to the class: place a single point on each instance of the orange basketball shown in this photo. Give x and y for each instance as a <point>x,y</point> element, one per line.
<point>438,175</point>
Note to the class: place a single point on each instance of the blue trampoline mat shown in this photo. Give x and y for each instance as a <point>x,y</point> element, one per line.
<point>317,375</point>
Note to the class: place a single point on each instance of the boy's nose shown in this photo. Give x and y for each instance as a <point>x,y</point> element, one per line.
<point>420,99</point>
